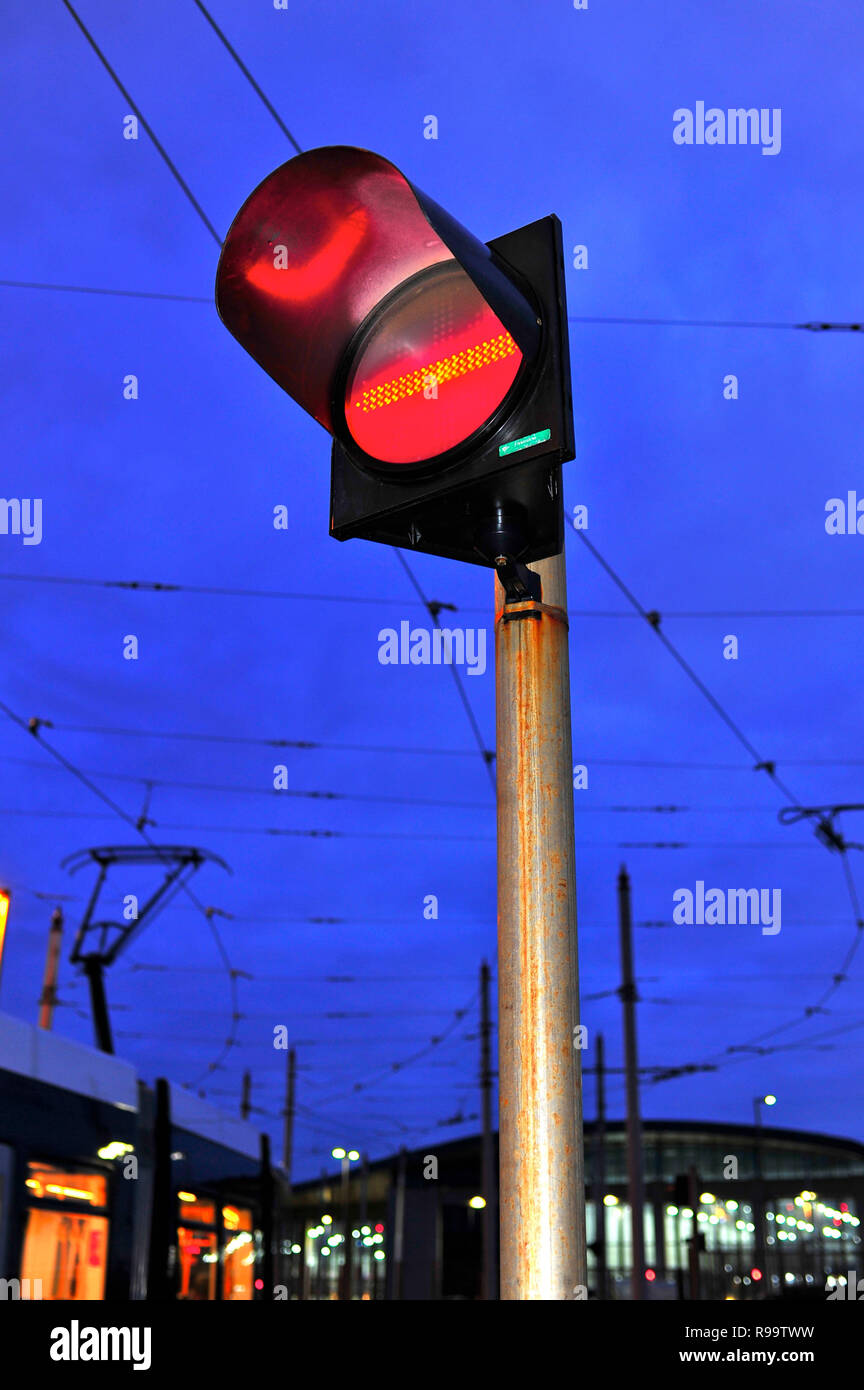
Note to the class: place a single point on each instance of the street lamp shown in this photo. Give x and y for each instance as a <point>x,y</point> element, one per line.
<point>346,1157</point>
<point>758,1197</point>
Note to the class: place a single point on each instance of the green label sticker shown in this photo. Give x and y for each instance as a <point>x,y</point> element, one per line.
<point>539,437</point>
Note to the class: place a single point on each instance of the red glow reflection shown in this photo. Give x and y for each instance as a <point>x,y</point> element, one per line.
<point>313,277</point>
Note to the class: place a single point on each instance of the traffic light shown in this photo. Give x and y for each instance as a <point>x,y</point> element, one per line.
<point>439,365</point>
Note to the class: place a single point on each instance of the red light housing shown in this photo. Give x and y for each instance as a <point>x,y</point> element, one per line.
<point>439,365</point>
<point>371,306</point>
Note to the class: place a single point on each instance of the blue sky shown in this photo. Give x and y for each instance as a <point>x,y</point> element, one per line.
<point>701,504</point>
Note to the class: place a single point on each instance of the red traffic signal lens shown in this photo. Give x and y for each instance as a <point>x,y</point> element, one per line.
<point>434,366</point>
<point>338,273</point>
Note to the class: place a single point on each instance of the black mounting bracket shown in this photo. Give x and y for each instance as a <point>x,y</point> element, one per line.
<point>520,584</point>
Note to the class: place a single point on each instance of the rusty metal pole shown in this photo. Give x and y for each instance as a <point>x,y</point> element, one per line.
<point>48,998</point>
<point>542,1176</point>
<point>635,1170</point>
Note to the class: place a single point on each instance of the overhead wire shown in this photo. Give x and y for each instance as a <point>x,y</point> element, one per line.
<point>653,618</point>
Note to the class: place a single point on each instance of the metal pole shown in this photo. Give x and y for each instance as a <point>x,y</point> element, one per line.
<point>246,1096</point>
<point>542,1177</point>
<point>93,968</point>
<point>364,1208</point>
<point>635,1180</point>
<point>488,1185</point>
<point>268,1193</point>
<point>600,1172</point>
<point>163,1220</point>
<point>288,1138</point>
<point>48,998</point>
<point>399,1225</point>
<point>345,1279</point>
<point>759,1195</point>
<point>693,1248</point>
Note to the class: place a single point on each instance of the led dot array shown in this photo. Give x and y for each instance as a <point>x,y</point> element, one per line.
<point>435,373</point>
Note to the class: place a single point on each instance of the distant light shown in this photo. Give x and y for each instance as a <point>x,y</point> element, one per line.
<point>770,1100</point>
<point>337,1153</point>
<point>187,1197</point>
<point>115,1149</point>
<point>259,1283</point>
<point>295,1249</point>
<point>731,1206</point>
<point>325,1249</point>
<point>477,1202</point>
<point>687,1212</point>
<point>671,1211</point>
<point>355,1234</point>
<point>365,1230</point>
<point>378,1226</point>
<point>327,1220</point>
<point>610,1201</point>
<point>353,1155</point>
<point>756,1275</point>
<point>377,1240</point>
<point>650,1276</point>
<point>379,1254</point>
<point>367,1240</point>
<point>707,1198</point>
<point>312,1232</point>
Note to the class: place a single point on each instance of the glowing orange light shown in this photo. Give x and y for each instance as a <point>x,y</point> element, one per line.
<point>435,373</point>
<point>756,1275</point>
<point>77,1192</point>
<point>310,278</point>
<point>4,916</point>
<point>187,1196</point>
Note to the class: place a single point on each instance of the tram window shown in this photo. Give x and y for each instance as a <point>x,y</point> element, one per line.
<point>197,1210</point>
<point>198,1263</point>
<point>238,1254</point>
<point>54,1184</point>
<point>67,1252</point>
